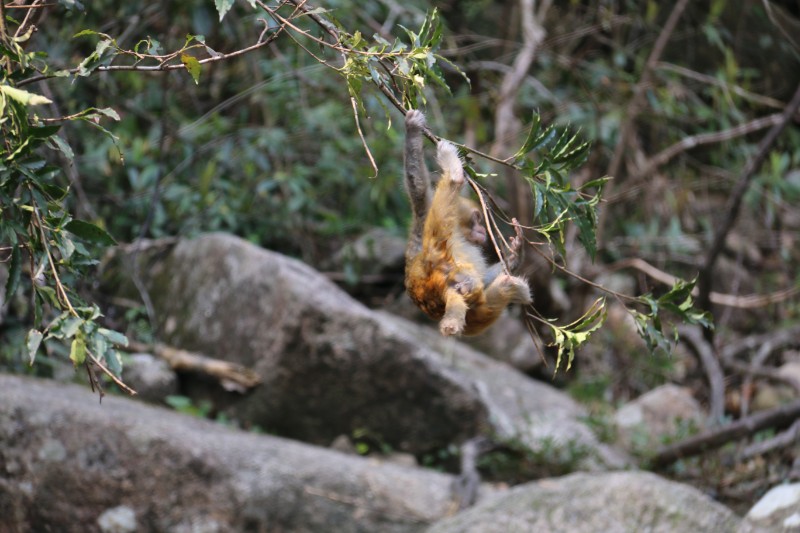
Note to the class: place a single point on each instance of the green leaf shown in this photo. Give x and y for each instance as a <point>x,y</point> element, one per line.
<point>77,351</point>
<point>24,97</point>
<point>113,362</point>
<point>63,146</point>
<point>90,232</point>
<point>114,336</point>
<point>193,66</point>
<point>107,111</point>
<point>223,6</point>
<point>86,32</point>
<point>14,270</point>
<point>32,341</point>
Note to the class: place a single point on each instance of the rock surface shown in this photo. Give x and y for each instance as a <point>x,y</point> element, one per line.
<point>777,510</point>
<point>617,502</point>
<point>665,411</point>
<point>331,366</point>
<point>71,464</point>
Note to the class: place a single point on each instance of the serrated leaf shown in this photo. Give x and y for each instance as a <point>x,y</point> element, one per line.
<point>533,132</point>
<point>77,351</point>
<point>63,147</point>
<point>223,6</point>
<point>24,97</point>
<point>32,341</point>
<point>193,66</point>
<point>14,270</point>
<point>90,232</point>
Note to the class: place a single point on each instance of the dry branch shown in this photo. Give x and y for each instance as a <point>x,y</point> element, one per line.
<point>232,376</point>
<point>735,200</point>
<point>749,301</point>
<point>716,379</point>
<point>779,417</point>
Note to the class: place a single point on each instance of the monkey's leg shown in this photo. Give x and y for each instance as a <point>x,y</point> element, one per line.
<point>455,313</point>
<point>507,289</point>
<point>442,227</point>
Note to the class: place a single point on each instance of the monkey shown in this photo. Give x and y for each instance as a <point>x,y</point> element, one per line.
<point>446,274</point>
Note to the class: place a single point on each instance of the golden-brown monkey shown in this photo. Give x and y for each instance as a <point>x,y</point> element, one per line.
<point>446,273</point>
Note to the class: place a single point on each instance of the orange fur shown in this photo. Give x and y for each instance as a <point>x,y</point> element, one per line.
<point>446,277</point>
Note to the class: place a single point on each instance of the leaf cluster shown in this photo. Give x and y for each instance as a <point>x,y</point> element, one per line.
<point>40,238</point>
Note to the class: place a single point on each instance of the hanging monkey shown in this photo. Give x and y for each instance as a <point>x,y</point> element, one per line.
<point>446,273</point>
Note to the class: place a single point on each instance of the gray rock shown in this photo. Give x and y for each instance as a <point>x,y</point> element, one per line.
<point>665,411</point>
<point>120,519</point>
<point>71,464</point>
<point>377,251</point>
<point>609,502</point>
<point>331,366</point>
<point>777,510</point>
<point>151,378</point>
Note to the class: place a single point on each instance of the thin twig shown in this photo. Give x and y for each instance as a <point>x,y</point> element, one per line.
<point>164,66</point>
<point>110,374</point>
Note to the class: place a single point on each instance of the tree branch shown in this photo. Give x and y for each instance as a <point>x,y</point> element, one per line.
<point>713,370</point>
<point>635,105</point>
<point>233,376</point>
<point>750,301</point>
<point>777,417</point>
<point>735,201</point>
<point>163,67</point>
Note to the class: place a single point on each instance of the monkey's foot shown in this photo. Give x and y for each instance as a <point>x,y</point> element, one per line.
<point>465,284</point>
<point>450,326</point>
<point>517,240</point>
<point>415,119</point>
<point>447,155</point>
<point>518,288</point>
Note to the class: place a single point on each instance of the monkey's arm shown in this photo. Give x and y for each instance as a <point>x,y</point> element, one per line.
<point>417,180</point>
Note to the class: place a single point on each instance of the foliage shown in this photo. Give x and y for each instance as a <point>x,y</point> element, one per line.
<point>39,235</point>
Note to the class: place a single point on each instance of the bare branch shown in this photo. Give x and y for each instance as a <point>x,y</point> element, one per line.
<point>693,141</point>
<point>713,370</point>
<point>637,101</point>
<point>750,301</point>
<point>778,417</point>
<point>232,375</point>
<point>735,200</point>
<point>781,440</point>
<point>163,67</point>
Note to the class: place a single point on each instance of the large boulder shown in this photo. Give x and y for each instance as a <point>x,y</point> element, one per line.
<point>71,464</point>
<point>331,366</point>
<point>609,502</point>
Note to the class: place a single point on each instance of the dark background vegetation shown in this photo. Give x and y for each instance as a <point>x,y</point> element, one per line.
<point>265,147</point>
